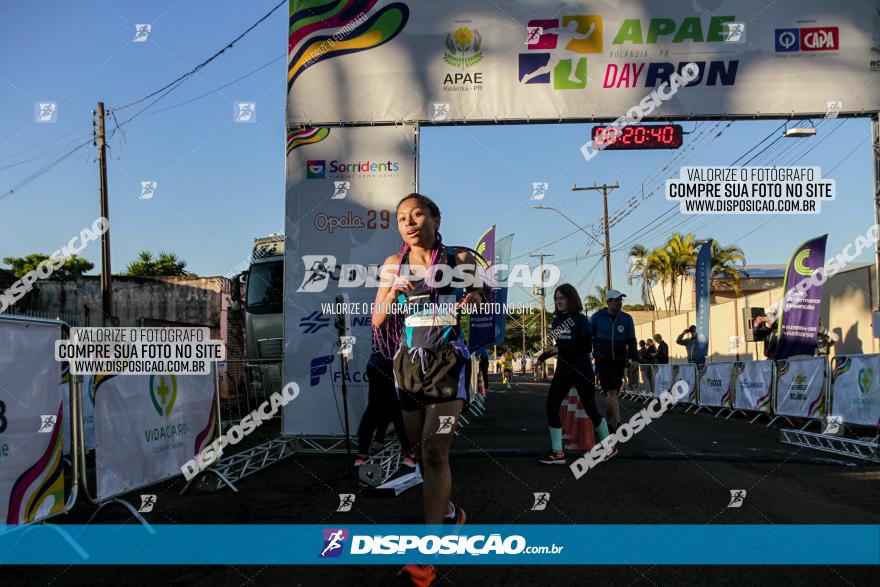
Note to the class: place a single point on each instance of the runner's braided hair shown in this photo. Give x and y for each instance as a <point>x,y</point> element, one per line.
<point>386,338</point>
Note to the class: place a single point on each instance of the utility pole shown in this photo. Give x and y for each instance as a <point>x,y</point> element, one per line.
<point>543,292</point>
<point>605,189</point>
<point>101,143</point>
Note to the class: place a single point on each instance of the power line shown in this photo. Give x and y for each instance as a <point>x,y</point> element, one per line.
<point>196,69</point>
<point>43,170</point>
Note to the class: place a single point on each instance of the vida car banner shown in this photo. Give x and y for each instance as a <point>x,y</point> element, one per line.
<point>855,389</point>
<point>147,426</point>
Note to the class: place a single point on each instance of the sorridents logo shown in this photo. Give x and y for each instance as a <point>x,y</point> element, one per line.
<point>799,266</point>
<point>866,376</point>
<point>163,396</point>
<point>314,322</point>
<point>315,169</point>
<point>578,35</point>
<point>807,39</point>
<point>318,168</point>
<point>334,538</point>
<point>459,44</point>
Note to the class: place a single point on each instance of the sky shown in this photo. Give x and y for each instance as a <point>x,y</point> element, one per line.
<point>221,184</point>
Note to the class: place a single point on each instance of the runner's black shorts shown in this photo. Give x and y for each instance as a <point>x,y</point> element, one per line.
<point>610,373</point>
<point>426,376</point>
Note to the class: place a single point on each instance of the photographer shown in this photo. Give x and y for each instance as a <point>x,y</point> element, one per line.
<point>688,339</point>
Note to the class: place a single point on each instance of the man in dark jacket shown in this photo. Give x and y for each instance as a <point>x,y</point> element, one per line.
<point>662,350</point>
<point>614,344</point>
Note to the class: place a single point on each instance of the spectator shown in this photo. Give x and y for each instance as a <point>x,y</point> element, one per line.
<point>662,350</point>
<point>688,339</point>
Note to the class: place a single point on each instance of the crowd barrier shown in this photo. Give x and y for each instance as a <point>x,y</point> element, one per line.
<point>33,485</point>
<point>855,389</point>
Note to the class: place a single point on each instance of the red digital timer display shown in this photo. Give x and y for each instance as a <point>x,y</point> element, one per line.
<point>638,136</point>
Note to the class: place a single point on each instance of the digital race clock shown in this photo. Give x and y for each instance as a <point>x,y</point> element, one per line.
<point>638,136</point>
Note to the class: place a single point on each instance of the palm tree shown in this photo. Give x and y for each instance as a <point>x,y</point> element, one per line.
<point>726,266</point>
<point>645,273</point>
<point>683,257</point>
<point>596,302</point>
<point>660,265</point>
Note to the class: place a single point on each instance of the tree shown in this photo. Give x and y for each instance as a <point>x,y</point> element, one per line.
<point>726,265</point>
<point>683,256</point>
<point>646,274</point>
<point>73,267</point>
<point>167,264</point>
<point>596,302</point>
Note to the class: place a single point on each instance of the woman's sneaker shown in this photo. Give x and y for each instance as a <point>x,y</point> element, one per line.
<point>553,458</point>
<point>359,461</point>
<point>419,575</point>
<point>458,519</point>
<point>408,461</point>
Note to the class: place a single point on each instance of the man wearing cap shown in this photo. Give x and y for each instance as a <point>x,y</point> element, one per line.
<point>614,344</point>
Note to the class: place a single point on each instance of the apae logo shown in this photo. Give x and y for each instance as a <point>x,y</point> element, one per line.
<point>463,48</point>
<point>161,394</point>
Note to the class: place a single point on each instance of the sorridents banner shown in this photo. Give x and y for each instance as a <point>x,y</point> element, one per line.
<point>376,166</point>
<point>800,387</point>
<point>715,384</point>
<point>686,372</point>
<point>88,407</point>
<point>702,270</point>
<point>31,475</point>
<point>662,378</point>
<point>532,60</point>
<point>503,248</point>
<point>147,426</point>
<point>855,389</point>
<point>754,381</point>
<point>482,326</point>
<point>798,321</point>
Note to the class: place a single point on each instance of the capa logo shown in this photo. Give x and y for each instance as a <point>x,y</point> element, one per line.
<point>334,538</point>
<point>807,39</point>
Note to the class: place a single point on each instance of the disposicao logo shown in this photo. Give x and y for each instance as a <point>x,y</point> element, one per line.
<point>162,395</point>
<point>315,169</point>
<point>334,539</point>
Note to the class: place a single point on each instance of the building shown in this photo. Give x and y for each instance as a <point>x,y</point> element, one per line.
<point>753,279</point>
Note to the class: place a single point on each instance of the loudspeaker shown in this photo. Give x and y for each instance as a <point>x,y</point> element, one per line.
<point>749,315</point>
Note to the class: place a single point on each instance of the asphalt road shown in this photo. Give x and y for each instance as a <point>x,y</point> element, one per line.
<point>679,470</point>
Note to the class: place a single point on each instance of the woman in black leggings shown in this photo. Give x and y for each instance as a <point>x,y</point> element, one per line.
<point>572,347</point>
<point>382,407</point>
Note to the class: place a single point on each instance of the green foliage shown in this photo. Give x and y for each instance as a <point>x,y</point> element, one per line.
<point>167,264</point>
<point>73,267</point>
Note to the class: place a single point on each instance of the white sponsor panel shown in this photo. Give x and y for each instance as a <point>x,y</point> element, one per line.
<point>800,387</point>
<point>323,268</point>
<point>646,385</point>
<point>686,372</point>
<point>31,478</point>
<point>87,387</point>
<point>855,389</point>
<point>147,426</point>
<point>754,381</point>
<point>715,382</point>
<point>662,378</point>
<point>543,60</point>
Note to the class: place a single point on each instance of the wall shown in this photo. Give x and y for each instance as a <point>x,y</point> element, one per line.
<point>847,302</point>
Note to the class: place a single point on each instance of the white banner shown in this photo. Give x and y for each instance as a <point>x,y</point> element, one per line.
<point>662,378</point>
<point>646,385</point>
<point>686,372</point>
<point>800,387</point>
<point>754,380</point>
<point>715,384</point>
<point>343,185</point>
<point>855,389</point>
<point>31,475</point>
<point>539,59</point>
<point>147,426</point>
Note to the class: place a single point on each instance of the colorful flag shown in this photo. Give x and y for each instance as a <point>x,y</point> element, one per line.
<point>798,318</point>
<point>481,325</point>
<point>503,249</point>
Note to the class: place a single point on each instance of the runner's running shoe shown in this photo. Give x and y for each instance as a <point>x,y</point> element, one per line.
<point>359,461</point>
<point>553,458</point>
<point>408,461</point>
<point>418,575</point>
<point>458,519</point>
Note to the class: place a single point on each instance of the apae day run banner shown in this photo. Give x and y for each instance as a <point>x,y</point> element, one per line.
<point>31,471</point>
<point>798,321</point>
<point>715,380</point>
<point>800,387</point>
<point>754,381</point>
<point>369,61</point>
<point>343,186</point>
<point>702,274</point>
<point>855,389</point>
<point>147,426</point>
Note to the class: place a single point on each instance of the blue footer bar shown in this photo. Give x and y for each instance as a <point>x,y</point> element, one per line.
<point>51,544</point>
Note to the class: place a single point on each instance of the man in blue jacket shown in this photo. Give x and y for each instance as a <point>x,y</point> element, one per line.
<point>614,345</point>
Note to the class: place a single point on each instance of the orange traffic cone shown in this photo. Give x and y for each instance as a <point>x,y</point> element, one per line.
<point>586,436</point>
<point>566,415</point>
